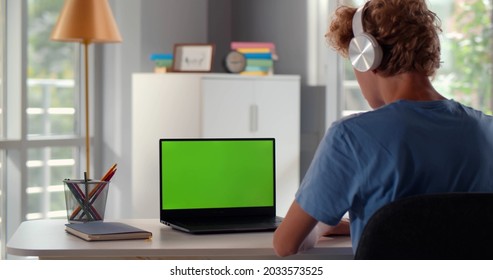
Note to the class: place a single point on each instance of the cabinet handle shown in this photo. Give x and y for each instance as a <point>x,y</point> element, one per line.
<point>253,118</point>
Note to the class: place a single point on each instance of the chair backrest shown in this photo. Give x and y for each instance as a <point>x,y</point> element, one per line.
<point>432,226</point>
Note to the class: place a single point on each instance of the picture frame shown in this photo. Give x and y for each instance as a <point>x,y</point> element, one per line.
<point>193,57</point>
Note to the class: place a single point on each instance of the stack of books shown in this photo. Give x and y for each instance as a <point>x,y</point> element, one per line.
<point>260,57</point>
<point>163,62</point>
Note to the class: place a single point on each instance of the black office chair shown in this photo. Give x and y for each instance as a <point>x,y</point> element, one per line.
<point>433,226</point>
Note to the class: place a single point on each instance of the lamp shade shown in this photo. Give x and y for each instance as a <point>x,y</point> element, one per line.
<point>86,21</point>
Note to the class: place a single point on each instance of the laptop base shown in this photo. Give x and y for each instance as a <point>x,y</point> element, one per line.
<point>226,226</point>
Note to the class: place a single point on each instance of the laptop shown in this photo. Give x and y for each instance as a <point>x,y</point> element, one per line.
<point>218,185</point>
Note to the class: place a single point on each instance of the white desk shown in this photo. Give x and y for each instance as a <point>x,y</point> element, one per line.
<point>47,239</point>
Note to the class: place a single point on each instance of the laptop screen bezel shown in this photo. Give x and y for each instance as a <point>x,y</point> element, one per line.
<point>172,215</point>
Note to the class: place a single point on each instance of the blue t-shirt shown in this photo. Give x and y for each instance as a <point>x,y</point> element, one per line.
<point>404,148</point>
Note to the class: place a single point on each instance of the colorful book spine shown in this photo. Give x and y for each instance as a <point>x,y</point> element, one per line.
<point>258,55</point>
<point>161,56</point>
<point>254,50</point>
<point>254,73</point>
<point>257,69</point>
<point>268,45</point>
<point>260,62</point>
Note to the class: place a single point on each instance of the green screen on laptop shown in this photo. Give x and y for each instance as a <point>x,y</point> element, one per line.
<point>216,173</point>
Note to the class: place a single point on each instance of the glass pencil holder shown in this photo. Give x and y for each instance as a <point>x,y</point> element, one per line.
<point>85,200</point>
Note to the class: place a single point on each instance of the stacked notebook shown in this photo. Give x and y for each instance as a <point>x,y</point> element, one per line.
<point>260,57</point>
<point>163,62</point>
<point>95,231</point>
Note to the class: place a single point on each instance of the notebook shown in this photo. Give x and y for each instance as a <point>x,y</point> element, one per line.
<point>99,230</point>
<point>218,185</point>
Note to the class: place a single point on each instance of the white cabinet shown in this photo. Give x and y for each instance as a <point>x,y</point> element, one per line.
<point>212,105</point>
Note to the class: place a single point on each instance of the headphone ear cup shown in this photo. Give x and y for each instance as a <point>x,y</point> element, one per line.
<point>365,53</point>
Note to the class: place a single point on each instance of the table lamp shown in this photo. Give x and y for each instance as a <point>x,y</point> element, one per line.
<point>86,22</point>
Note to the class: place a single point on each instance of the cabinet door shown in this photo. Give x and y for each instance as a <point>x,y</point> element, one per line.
<point>277,108</point>
<point>226,108</point>
<point>279,117</point>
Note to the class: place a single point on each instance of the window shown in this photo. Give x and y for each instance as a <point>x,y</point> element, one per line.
<point>39,133</point>
<point>466,72</point>
<point>52,102</point>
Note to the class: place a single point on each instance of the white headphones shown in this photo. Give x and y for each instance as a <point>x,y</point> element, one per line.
<point>365,53</point>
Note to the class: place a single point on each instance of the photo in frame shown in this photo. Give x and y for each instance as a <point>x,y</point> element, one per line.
<point>193,57</point>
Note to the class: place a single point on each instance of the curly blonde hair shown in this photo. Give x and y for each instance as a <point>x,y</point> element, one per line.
<point>405,29</point>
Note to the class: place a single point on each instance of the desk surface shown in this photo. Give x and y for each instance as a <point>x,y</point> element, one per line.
<point>47,239</point>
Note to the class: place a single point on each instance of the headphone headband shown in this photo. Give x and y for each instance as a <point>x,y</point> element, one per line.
<point>358,21</point>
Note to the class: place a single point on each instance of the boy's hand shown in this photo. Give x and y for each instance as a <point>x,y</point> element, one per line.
<point>341,229</point>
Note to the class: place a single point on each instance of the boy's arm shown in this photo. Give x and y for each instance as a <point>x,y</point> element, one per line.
<point>299,231</point>
<point>293,231</point>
